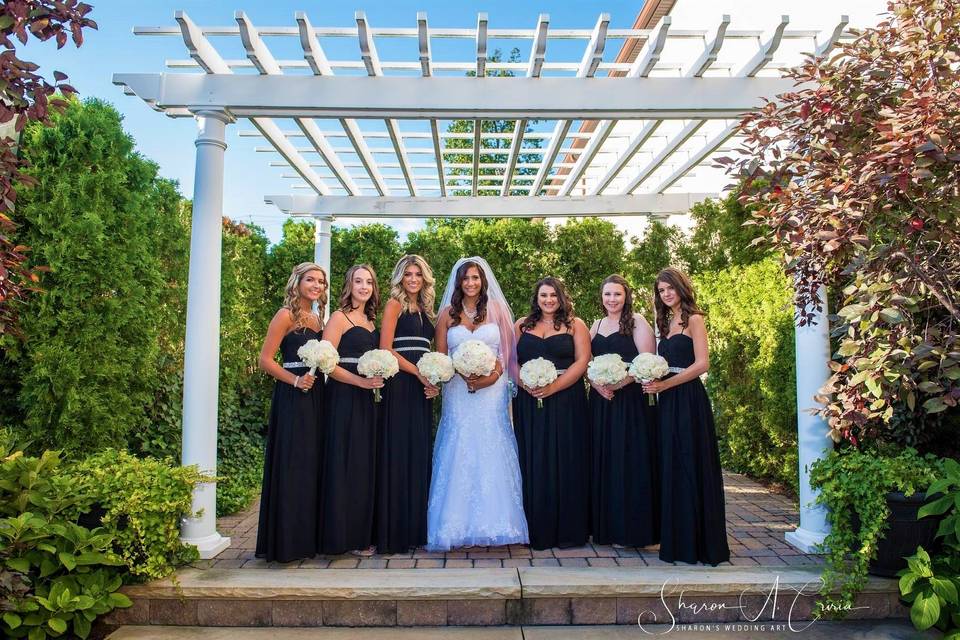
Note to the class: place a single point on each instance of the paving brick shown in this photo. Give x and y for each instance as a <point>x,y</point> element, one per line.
<point>421,613</point>
<point>405,563</point>
<point>573,562</point>
<point>430,563</point>
<point>541,611</point>
<point>545,562</point>
<point>458,563</point>
<point>173,611</point>
<point>488,563</point>
<point>359,613</point>
<point>297,613</point>
<point>373,563</point>
<point>517,562</point>
<point>575,552</point>
<point>344,563</point>
<point>602,562</point>
<point>476,612</point>
<point>234,613</point>
<point>593,611</point>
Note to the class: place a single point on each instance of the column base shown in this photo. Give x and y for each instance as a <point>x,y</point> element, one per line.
<point>804,539</point>
<point>208,546</point>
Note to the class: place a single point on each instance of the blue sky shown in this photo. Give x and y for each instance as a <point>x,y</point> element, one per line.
<point>169,142</point>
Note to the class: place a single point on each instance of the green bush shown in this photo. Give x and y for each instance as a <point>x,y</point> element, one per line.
<point>752,379</point>
<point>55,575</point>
<point>144,500</point>
<point>93,218</point>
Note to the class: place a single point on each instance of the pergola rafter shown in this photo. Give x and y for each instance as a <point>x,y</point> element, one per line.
<point>659,121</point>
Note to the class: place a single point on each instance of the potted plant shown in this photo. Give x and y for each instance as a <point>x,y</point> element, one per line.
<point>858,488</point>
<point>930,585</point>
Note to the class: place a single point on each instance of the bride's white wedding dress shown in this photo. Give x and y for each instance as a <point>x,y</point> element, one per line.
<point>476,494</point>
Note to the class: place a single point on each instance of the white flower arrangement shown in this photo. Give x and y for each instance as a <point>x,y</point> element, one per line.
<point>538,372</point>
<point>318,354</point>
<point>378,363</point>
<point>608,368</point>
<point>649,366</point>
<point>436,367</point>
<point>474,358</point>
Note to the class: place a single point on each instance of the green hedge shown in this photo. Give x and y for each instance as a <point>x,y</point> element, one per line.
<point>95,219</point>
<point>71,534</point>
<point>752,380</point>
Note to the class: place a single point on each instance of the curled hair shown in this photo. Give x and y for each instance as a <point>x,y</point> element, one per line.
<point>346,302</point>
<point>291,295</point>
<point>456,300</point>
<point>627,323</point>
<point>688,300</point>
<point>427,294</point>
<point>564,315</point>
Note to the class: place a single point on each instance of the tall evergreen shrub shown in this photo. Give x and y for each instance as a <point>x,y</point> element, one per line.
<point>752,381</point>
<point>90,354</point>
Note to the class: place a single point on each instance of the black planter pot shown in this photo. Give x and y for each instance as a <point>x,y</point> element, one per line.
<point>904,533</point>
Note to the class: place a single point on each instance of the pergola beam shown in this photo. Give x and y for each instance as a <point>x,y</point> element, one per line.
<point>646,60</point>
<point>209,58</point>
<point>368,51</point>
<point>537,54</point>
<point>454,98</point>
<point>588,67</point>
<point>314,55</point>
<point>260,55</point>
<point>486,207</point>
<point>426,69</point>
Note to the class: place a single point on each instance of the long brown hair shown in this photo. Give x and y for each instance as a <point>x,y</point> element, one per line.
<point>688,300</point>
<point>370,308</point>
<point>291,295</point>
<point>627,323</point>
<point>564,315</point>
<point>456,300</point>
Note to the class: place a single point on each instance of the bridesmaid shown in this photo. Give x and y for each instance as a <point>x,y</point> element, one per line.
<point>291,468</point>
<point>406,414</point>
<point>693,523</point>
<point>554,441</point>
<point>350,443</point>
<point>625,496</point>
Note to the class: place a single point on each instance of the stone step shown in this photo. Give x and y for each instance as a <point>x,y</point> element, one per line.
<point>875,630</point>
<point>464,597</point>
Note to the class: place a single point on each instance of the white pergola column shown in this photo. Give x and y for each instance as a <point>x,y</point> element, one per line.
<point>202,349</point>
<point>813,353</point>
<point>321,254</point>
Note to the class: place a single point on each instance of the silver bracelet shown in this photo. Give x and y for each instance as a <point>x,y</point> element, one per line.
<point>295,382</point>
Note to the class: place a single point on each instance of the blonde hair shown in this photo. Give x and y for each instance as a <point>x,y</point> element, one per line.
<point>427,294</point>
<point>291,297</point>
<point>346,301</point>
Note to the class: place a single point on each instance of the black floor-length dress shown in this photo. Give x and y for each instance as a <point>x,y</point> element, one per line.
<point>626,484</point>
<point>553,444</point>
<point>291,471</point>
<point>350,453</point>
<point>692,518</point>
<point>404,451</point>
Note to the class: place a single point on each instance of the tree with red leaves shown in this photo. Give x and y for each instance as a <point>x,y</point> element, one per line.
<point>27,96</point>
<point>861,168</point>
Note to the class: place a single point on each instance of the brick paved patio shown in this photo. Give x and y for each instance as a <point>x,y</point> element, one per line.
<point>757,518</point>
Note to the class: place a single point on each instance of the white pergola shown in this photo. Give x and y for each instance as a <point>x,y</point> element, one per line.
<point>369,137</point>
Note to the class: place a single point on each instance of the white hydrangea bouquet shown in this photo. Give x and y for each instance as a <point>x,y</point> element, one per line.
<point>649,366</point>
<point>378,363</point>
<point>607,369</point>
<point>318,354</point>
<point>474,358</point>
<point>436,367</point>
<point>538,372</point>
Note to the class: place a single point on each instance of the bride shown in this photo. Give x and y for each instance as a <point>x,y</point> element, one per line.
<point>476,494</point>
